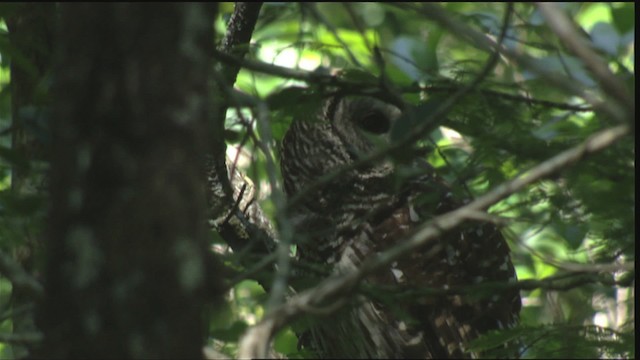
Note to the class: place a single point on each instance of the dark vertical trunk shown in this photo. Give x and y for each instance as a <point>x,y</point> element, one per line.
<point>31,29</point>
<point>126,249</point>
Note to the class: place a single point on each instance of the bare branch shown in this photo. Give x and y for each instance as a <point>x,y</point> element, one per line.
<point>320,78</point>
<point>511,97</point>
<point>332,29</point>
<point>486,43</point>
<point>566,31</point>
<point>279,287</point>
<point>262,67</point>
<point>616,267</point>
<point>237,218</point>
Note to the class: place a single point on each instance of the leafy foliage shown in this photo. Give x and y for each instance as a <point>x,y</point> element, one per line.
<point>581,221</point>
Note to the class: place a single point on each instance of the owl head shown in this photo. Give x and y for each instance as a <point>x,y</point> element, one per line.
<point>344,129</point>
<point>361,122</point>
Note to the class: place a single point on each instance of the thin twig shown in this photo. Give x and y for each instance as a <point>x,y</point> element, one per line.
<point>281,71</point>
<point>486,70</point>
<point>586,268</point>
<point>280,282</point>
<point>560,282</point>
<point>332,29</point>
<point>319,78</point>
<point>486,43</point>
<point>506,96</point>
<point>562,26</point>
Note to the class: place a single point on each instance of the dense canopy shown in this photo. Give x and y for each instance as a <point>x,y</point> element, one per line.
<point>120,125</point>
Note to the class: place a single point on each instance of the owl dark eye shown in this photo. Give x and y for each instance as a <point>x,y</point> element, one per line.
<point>375,123</point>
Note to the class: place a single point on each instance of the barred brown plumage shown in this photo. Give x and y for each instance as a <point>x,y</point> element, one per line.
<point>365,211</point>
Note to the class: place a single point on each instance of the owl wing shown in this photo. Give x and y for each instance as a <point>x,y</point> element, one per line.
<point>366,328</point>
<point>470,255</point>
<point>422,325</point>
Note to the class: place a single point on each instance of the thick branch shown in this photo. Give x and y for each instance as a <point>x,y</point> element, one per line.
<point>236,41</point>
<point>239,32</point>
<point>236,216</point>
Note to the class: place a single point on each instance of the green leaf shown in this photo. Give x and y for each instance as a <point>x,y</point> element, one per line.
<point>288,96</point>
<point>232,333</point>
<point>16,204</point>
<point>359,76</point>
<point>624,16</point>
<point>13,157</point>
<point>573,234</point>
<point>605,38</point>
<point>286,342</point>
<point>415,117</point>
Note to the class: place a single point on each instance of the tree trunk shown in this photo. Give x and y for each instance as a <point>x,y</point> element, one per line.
<point>31,29</point>
<point>127,270</point>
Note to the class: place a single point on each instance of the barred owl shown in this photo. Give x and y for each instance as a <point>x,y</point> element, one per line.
<point>369,209</point>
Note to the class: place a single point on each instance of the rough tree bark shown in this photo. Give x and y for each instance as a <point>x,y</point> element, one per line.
<point>127,270</point>
<point>31,29</point>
